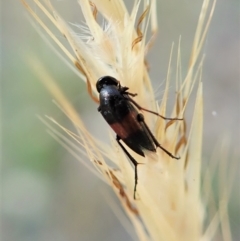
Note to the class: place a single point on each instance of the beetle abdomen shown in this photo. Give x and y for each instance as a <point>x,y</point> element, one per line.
<point>122,117</point>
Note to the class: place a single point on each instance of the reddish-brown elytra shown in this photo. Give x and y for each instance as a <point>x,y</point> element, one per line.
<point>118,109</point>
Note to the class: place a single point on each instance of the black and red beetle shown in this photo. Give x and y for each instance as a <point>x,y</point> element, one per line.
<point>120,112</point>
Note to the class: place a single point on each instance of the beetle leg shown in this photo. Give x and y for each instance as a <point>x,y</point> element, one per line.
<point>133,95</point>
<point>123,90</point>
<point>150,111</point>
<point>134,162</point>
<point>140,118</point>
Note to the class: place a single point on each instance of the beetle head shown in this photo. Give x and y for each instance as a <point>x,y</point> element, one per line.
<point>106,81</point>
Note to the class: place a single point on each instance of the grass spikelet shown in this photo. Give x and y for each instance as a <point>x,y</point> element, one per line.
<point>169,206</point>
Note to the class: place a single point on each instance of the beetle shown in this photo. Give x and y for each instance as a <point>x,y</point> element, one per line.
<point>120,111</point>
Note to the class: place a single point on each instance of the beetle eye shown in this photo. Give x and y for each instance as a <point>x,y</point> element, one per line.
<point>105,80</point>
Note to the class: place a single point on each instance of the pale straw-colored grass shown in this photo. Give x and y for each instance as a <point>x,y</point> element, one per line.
<point>169,203</point>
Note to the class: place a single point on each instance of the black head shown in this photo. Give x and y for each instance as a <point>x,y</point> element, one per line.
<point>106,80</point>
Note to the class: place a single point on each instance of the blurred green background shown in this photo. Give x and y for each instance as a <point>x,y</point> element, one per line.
<point>46,193</point>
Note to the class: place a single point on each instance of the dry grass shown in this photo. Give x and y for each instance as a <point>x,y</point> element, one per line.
<point>169,205</point>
